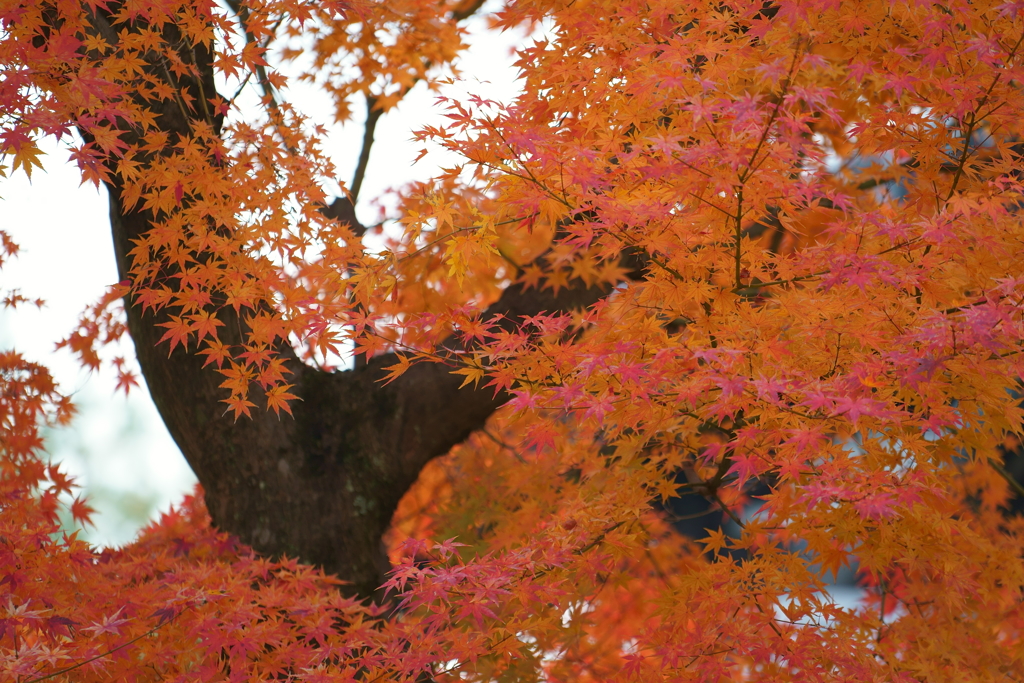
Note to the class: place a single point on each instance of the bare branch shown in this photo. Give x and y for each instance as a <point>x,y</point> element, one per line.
<point>373,114</point>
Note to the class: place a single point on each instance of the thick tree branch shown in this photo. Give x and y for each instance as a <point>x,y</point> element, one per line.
<point>323,486</point>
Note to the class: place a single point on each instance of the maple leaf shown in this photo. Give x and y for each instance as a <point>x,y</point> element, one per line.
<point>165,614</point>
<point>126,379</point>
<point>473,372</point>
<point>745,465</point>
<point>715,542</point>
<point>398,369</point>
<point>111,624</point>
<point>81,511</point>
<point>178,331</point>
<point>278,398</point>
<point>90,162</point>
<point>215,352</point>
<point>239,405</point>
<point>205,324</point>
<point>26,157</point>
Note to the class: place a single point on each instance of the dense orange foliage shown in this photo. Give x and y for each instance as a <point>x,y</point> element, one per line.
<point>826,197</point>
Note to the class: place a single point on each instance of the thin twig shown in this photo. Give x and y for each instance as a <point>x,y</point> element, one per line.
<point>504,445</point>
<point>373,114</point>
<point>108,652</point>
<point>975,119</point>
<point>751,165</point>
<point>732,515</point>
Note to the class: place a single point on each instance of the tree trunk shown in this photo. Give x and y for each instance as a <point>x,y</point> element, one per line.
<point>320,486</point>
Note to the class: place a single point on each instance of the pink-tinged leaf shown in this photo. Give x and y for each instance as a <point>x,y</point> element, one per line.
<point>746,466</point>
<point>111,624</point>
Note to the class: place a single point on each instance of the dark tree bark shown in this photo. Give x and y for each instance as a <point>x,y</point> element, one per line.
<point>322,486</point>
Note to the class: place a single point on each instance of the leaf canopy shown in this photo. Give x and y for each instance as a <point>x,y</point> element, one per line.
<point>804,217</point>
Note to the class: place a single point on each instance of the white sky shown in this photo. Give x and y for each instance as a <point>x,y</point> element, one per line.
<point>67,259</point>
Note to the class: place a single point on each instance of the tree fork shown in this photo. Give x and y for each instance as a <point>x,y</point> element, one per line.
<point>321,487</point>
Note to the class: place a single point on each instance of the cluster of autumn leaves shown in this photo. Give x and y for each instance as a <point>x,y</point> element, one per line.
<point>825,197</point>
